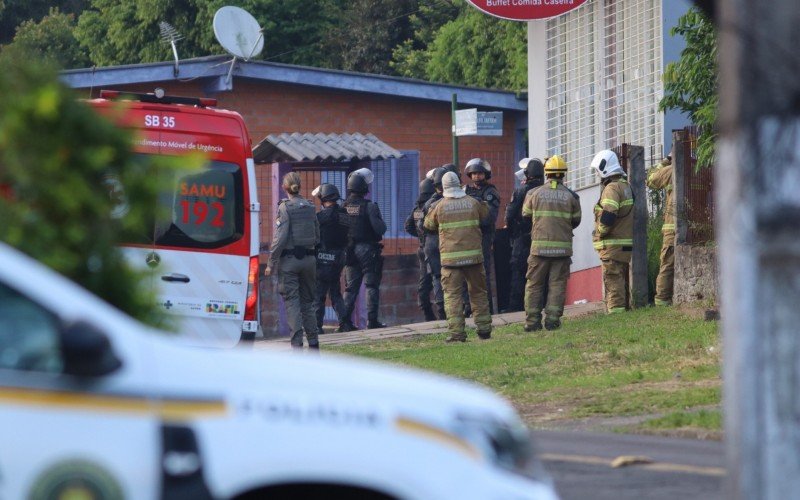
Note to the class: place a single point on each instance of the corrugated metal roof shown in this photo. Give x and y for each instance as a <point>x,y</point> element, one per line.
<point>307,147</point>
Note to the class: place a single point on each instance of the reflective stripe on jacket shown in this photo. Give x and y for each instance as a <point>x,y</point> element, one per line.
<point>614,240</point>
<point>458,222</point>
<point>554,211</point>
<point>661,177</point>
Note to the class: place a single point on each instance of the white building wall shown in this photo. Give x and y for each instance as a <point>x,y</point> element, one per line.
<point>594,82</point>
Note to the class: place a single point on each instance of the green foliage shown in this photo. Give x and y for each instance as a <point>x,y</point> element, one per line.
<point>410,58</point>
<point>690,84</point>
<point>480,50</point>
<point>51,38</point>
<point>58,157</point>
<point>15,12</point>
<point>703,419</point>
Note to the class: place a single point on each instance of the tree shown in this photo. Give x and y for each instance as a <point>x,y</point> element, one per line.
<point>410,58</point>
<point>476,49</point>
<point>59,159</point>
<point>127,31</point>
<point>52,38</point>
<point>15,12</point>
<point>690,84</point>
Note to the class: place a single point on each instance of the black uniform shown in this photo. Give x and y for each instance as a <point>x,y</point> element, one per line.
<point>519,229</point>
<point>432,258</point>
<point>333,229</point>
<point>364,260</point>
<point>425,283</point>
<point>489,194</point>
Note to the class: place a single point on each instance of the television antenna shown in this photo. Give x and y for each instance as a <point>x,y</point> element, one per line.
<point>239,34</point>
<point>170,35</point>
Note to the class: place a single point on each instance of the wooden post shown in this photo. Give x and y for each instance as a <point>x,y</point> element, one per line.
<point>758,226</point>
<point>636,177</point>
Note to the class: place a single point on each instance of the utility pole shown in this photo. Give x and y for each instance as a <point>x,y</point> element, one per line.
<point>758,222</point>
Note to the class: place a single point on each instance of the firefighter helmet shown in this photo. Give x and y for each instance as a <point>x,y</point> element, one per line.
<point>607,164</point>
<point>555,165</point>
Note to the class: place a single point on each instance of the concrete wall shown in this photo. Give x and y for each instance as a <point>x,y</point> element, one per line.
<point>696,274</point>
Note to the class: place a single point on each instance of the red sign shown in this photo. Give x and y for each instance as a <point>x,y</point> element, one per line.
<point>526,10</point>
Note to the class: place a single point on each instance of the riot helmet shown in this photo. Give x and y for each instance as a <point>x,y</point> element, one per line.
<point>438,173</point>
<point>327,192</point>
<point>478,165</point>
<point>534,169</point>
<point>426,188</point>
<point>359,181</point>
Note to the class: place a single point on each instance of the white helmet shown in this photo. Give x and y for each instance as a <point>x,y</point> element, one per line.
<point>523,163</point>
<point>520,175</point>
<point>606,164</point>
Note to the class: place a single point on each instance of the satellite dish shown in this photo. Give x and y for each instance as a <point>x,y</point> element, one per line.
<point>238,32</point>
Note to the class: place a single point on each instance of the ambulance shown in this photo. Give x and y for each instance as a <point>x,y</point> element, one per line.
<point>94,405</point>
<point>204,256</point>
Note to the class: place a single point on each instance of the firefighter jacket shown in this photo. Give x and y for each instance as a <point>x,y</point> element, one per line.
<point>661,177</point>
<point>613,221</point>
<point>366,223</point>
<point>491,196</point>
<point>296,228</point>
<point>555,211</point>
<point>458,222</point>
<point>517,224</point>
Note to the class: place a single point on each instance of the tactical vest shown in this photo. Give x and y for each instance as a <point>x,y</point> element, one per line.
<point>302,221</point>
<point>517,224</point>
<point>361,230</point>
<point>489,194</point>
<point>334,226</point>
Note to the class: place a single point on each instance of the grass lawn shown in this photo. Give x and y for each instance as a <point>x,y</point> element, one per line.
<point>649,370</point>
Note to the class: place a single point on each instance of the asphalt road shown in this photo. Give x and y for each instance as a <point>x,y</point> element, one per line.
<point>581,466</point>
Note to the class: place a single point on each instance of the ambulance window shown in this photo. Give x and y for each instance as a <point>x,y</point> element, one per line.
<point>28,334</point>
<point>206,209</point>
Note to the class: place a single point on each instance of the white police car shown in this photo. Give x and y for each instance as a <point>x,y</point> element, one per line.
<point>94,405</point>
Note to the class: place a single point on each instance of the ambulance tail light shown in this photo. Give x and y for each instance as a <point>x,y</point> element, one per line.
<point>252,291</point>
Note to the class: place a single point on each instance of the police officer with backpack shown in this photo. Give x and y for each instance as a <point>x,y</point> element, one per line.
<point>292,256</point>
<point>334,225</point>
<point>519,228</point>
<point>364,260</point>
<point>479,172</point>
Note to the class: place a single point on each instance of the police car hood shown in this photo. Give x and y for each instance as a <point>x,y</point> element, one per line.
<point>237,373</point>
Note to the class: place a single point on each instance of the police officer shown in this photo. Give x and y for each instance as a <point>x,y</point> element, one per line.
<point>519,229</point>
<point>364,260</point>
<point>414,219</point>
<point>457,218</point>
<point>613,229</point>
<point>333,229</point>
<point>479,172</point>
<point>292,257</point>
<point>555,211</point>
<point>661,177</point>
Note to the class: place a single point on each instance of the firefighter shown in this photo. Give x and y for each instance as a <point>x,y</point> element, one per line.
<point>431,247</point>
<point>613,229</point>
<point>479,172</point>
<point>457,218</point>
<point>519,228</point>
<point>414,219</point>
<point>292,256</point>
<point>662,177</point>
<point>333,229</point>
<point>554,211</point>
<point>364,260</point>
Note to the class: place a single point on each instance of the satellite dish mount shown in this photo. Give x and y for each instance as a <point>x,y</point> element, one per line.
<point>239,34</point>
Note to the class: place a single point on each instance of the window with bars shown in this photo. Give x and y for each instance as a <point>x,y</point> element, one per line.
<point>395,188</point>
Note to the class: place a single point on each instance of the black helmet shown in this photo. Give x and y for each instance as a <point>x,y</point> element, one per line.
<point>452,168</point>
<point>437,176</point>
<point>328,192</point>
<point>478,165</point>
<point>426,188</point>
<point>535,169</point>
<point>357,183</point>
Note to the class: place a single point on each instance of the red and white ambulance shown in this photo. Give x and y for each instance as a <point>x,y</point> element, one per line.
<point>204,254</point>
